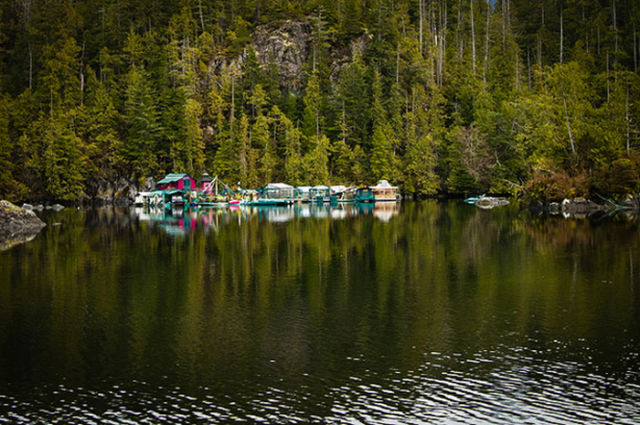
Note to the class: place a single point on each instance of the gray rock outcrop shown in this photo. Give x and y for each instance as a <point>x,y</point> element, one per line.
<point>17,225</point>
<point>286,46</point>
<point>489,202</point>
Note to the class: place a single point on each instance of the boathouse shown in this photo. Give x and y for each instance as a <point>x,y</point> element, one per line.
<point>177,182</point>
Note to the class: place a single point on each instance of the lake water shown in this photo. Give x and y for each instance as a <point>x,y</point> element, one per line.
<point>423,313</point>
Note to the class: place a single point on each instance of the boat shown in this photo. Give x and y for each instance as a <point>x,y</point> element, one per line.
<point>384,192</point>
<point>472,200</point>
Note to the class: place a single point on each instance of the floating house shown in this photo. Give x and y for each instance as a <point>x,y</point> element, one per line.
<point>342,193</point>
<point>346,195</point>
<point>364,194</point>
<point>278,191</point>
<point>175,187</point>
<point>383,191</point>
<point>301,193</point>
<point>149,199</point>
<point>337,189</point>
<point>275,194</point>
<point>320,193</point>
<point>177,182</point>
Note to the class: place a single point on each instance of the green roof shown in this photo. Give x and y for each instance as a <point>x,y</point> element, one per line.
<point>172,178</point>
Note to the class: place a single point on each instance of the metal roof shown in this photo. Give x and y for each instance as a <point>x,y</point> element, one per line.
<point>383,184</point>
<point>278,186</point>
<point>172,178</point>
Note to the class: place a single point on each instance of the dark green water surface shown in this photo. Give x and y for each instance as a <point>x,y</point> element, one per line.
<point>423,313</point>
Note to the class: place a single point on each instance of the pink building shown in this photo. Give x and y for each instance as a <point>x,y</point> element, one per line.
<point>176,182</point>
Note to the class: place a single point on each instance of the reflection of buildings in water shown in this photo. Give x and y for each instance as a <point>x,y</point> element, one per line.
<point>180,221</point>
<point>383,211</point>
<point>303,210</point>
<point>177,212</point>
<point>342,211</point>
<point>275,214</point>
<point>319,211</point>
<point>363,208</point>
<point>338,214</point>
<point>140,213</point>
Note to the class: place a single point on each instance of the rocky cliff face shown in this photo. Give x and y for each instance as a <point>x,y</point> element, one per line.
<point>118,192</point>
<point>285,45</point>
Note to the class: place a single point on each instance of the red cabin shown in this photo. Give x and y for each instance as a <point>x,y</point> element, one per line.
<point>176,181</point>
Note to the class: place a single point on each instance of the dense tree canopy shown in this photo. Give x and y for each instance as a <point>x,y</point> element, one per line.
<point>438,96</point>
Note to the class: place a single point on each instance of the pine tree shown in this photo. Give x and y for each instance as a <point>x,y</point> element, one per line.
<point>62,160</point>
<point>10,188</point>
<point>381,151</point>
<point>312,108</point>
<point>316,162</point>
<point>143,127</point>
<point>103,144</point>
<point>195,157</point>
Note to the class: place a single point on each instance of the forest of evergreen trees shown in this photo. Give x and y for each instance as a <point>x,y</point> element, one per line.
<point>536,97</point>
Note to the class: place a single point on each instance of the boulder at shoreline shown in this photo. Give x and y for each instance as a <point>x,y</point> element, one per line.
<point>17,225</point>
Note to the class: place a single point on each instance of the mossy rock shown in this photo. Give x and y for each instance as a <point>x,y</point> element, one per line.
<point>17,225</point>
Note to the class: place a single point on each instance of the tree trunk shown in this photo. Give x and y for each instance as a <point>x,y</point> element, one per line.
<point>458,42</point>
<point>473,39</point>
<point>529,67</point>
<point>566,115</point>
<point>504,23</point>
<point>486,45</point>
<point>233,106</point>
<point>626,116</point>
<point>539,50</point>
<point>30,69</point>
<point>561,35</point>
<point>615,25</point>
<point>517,73</point>
<point>344,124</point>
<point>635,50</point>
<point>397,62</point>
<point>443,45</point>
<point>201,17</point>
<point>607,77</point>
<point>81,75</point>
<point>420,11</point>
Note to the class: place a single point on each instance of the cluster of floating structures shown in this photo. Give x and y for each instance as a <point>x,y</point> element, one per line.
<point>182,190</point>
